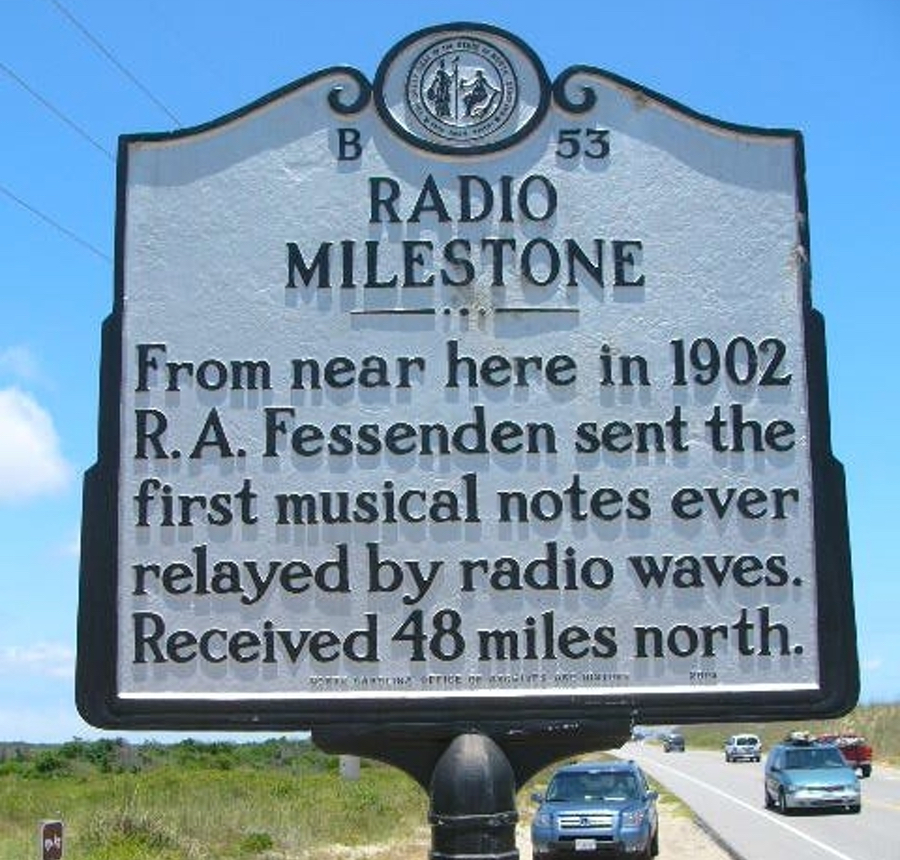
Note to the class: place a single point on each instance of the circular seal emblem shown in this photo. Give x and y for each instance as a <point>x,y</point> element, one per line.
<point>462,89</point>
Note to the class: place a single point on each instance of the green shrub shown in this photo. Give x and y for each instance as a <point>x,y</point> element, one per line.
<point>49,763</point>
<point>255,843</point>
<point>129,835</point>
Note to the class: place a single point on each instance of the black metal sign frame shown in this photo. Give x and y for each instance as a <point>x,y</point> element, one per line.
<point>98,697</point>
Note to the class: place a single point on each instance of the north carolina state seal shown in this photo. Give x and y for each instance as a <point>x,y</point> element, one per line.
<point>462,89</point>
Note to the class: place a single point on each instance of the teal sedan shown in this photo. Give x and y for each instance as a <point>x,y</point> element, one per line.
<point>803,774</point>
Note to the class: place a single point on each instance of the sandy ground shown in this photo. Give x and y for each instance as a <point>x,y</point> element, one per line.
<point>680,838</point>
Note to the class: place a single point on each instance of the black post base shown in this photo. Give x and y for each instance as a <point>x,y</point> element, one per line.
<point>472,773</point>
<point>473,802</point>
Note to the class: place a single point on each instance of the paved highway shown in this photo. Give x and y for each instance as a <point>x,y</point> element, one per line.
<point>729,798</point>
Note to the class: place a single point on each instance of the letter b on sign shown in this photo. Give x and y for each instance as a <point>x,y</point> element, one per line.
<point>51,840</point>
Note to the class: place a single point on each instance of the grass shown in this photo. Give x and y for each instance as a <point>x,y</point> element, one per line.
<point>277,800</point>
<point>225,802</point>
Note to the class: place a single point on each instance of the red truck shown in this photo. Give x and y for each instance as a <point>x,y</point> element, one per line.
<point>855,750</point>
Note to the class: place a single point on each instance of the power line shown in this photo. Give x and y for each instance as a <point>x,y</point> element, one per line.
<point>56,111</point>
<point>47,219</point>
<point>109,56</point>
<point>55,224</point>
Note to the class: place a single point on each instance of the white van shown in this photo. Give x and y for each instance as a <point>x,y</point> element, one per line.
<point>743,748</point>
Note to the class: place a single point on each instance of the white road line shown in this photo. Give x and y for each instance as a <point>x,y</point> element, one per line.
<point>772,819</point>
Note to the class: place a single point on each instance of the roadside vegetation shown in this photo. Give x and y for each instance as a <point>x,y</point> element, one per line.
<point>190,800</point>
<point>877,723</point>
<point>273,800</point>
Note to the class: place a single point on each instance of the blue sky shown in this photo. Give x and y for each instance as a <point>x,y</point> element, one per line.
<point>77,74</point>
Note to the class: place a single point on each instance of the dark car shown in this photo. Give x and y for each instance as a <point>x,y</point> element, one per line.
<point>596,809</point>
<point>673,742</point>
<point>805,774</point>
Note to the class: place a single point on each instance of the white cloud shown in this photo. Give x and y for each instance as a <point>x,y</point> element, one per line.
<point>72,547</point>
<point>31,463</point>
<point>24,724</point>
<point>21,363</point>
<point>41,660</point>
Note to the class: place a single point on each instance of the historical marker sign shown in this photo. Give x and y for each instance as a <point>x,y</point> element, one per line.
<point>463,394</point>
